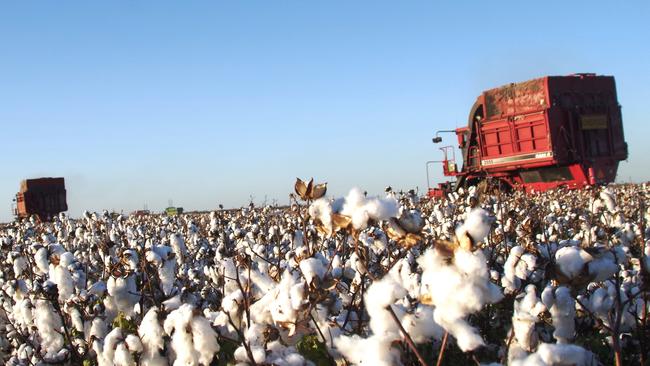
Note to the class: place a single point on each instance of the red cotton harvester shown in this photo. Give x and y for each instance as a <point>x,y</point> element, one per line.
<point>44,197</point>
<point>539,134</point>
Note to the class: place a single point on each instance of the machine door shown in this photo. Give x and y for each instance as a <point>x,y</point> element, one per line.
<point>595,134</point>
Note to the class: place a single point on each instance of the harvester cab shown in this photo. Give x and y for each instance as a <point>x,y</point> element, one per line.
<point>449,165</point>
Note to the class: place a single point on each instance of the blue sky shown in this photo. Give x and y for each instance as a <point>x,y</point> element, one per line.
<point>211,102</point>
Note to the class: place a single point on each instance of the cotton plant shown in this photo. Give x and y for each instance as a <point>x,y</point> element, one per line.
<point>527,309</point>
<point>360,275</point>
<point>562,306</point>
<point>548,354</point>
<point>457,289</point>
<point>517,268</point>
<point>193,339</point>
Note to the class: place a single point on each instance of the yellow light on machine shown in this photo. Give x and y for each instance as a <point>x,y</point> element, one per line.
<point>593,122</point>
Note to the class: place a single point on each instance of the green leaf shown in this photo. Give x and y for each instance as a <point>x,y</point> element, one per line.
<point>314,350</point>
<point>226,355</point>
<point>127,325</point>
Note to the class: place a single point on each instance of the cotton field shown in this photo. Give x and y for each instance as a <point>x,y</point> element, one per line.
<point>557,278</point>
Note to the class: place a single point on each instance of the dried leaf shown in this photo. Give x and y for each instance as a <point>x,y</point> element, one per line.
<point>318,191</point>
<point>409,240</point>
<point>394,230</point>
<point>446,247</point>
<point>301,188</point>
<point>340,221</point>
<point>465,242</point>
<point>310,187</point>
<point>426,299</point>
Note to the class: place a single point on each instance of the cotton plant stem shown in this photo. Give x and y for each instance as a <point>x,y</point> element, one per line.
<point>442,348</point>
<point>407,337</point>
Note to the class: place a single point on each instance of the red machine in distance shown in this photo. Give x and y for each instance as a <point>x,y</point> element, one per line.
<point>44,197</point>
<point>538,135</point>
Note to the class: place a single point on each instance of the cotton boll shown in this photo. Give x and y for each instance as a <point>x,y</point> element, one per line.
<point>97,329</point>
<point>421,326</point>
<point>288,299</point>
<point>517,267</point>
<point>321,210</point>
<point>456,290</point>
<point>609,199</point>
<point>361,209</point>
<point>123,293</point>
<point>42,261</point>
<point>381,294</point>
<point>106,350</point>
<point>122,356</point>
<point>151,334</point>
<point>561,305</point>
<point>133,342</point>
<point>312,267</point>
<point>178,245</point>
<point>20,264</point>
<point>204,339</point>
<point>77,320</point>
<point>556,354</point>
<point>527,308</point>
<point>375,350</point>
<point>98,288</point>
<point>607,264</point>
<point>477,225</point>
<point>49,325</point>
<point>177,325</point>
<point>571,261</point>
<point>63,279</point>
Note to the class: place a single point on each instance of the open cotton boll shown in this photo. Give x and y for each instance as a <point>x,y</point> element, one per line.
<point>606,265</point>
<point>381,294</point>
<point>106,350</point>
<point>151,335</point>
<point>375,350</point>
<point>258,353</point>
<point>321,210</point>
<point>548,354</point>
<point>527,308</point>
<point>64,283</point>
<point>312,267</point>
<point>122,356</point>
<point>193,339</point>
<point>609,199</point>
<point>477,225</point>
<point>421,326</point>
<point>571,260</point>
<point>288,298</point>
<point>283,356</point>
<point>42,262</point>
<point>361,209</point>
<point>457,289</point>
<point>178,245</point>
<point>49,325</point>
<point>561,305</point>
<point>124,294</point>
<point>518,266</point>
<point>205,339</point>
<point>20,264</point>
